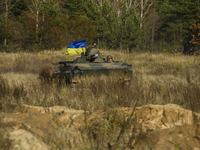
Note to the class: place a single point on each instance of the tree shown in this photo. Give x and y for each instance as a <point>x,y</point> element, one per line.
<point>20,7</point>
<point>152,25</point>
<point>34,7</point>
<point>92,10</point>
<point>74,7</point>
<point>195,28</point>
<point>193,40</point>
<point>143,7</point>
<point>7,6</point>
<point>178,16</point>
<point>108,28</point>
<point>130,31</point>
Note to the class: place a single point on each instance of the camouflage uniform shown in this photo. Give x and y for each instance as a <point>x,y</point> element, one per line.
<point>91,51</point>
<point>109,57</point>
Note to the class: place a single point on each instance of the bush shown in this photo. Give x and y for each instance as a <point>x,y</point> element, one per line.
<point>3,48</point>
<point>36,47</point>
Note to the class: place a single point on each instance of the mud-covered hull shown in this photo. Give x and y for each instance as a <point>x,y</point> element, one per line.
<point>73,72</point>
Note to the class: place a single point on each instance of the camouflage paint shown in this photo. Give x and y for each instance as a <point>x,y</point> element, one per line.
<point>82,67</point>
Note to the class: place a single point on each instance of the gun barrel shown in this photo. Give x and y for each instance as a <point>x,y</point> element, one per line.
<point>62,62</point>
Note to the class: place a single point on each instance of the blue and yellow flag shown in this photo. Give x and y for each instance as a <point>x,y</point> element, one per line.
<point>76,48</point>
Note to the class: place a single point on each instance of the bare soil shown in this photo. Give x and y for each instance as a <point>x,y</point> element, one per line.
<point>157,127</point>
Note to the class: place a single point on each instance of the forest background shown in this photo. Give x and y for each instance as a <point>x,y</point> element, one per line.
<point>153,25</point>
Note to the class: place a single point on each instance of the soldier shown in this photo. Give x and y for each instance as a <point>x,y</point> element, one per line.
<point>92,50</point>
<point>109,58</point>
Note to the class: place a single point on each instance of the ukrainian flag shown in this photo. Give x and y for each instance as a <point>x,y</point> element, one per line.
<point>76,48</point>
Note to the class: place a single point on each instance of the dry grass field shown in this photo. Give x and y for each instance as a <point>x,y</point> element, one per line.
<point>157,79</point>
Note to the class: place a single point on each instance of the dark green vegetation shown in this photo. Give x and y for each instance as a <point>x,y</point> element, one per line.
<point>156,25</point>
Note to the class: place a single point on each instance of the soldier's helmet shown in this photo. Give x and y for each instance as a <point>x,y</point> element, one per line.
<point>109,57</point>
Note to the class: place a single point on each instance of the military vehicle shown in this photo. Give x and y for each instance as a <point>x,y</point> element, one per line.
<point>93,65</point>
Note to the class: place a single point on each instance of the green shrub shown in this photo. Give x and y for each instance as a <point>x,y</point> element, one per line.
<point>36,47</point>
<point>3,48</point>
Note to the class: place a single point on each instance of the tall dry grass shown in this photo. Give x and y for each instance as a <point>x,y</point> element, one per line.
<point>157,79</point>
<point>100,93</point>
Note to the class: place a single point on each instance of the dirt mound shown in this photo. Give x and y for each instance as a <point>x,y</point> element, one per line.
<point>28,126</point>
<point>26,140</point>
<point>36,123</point>
<point>25,131</point>
<point>46,110</point>
<point>150,117</point>
<point>182,137</point>
<point>152,126</point>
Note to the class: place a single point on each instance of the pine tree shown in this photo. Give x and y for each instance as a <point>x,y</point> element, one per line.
<point>92,10</point>
<point>108,28</point>
<point>20,7</point>
<point>131,33</point>
<point>178,16</point>
<point>74,7</point>
<point>52,24</point>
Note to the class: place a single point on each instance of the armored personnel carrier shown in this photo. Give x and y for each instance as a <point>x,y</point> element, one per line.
<point>93,65</point>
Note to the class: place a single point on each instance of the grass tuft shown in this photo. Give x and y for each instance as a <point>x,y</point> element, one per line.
<point>45,73</point>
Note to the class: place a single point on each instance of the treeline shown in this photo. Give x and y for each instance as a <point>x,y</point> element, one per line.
<point>114,24</point>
